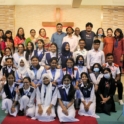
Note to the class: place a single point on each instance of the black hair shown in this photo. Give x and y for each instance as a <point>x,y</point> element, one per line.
<point>71,29</point>
<point>71,93</point>
<point>109,29</point>
<point>42,29</point>
<point>84,73</point>
<point>32,30</point>
<point>58,24</point>
<point>22,46</point>
<point>99,66</point>
<point>102,31</point>
<point>8,49</point>
<point>109,54</point>
<point>81,40</point>
<point>28,78</point>
<point>28,52</point>
<point>96,41</point>
<point>3,34</point>
<point>38,66</point>
<point>121,33</point>
<point>89,24</point>
<point>56,48</point>
<point>78,59</point>
<point>107,69</point>
<point>53,58</point>
<point>34,57</point>
<point>9,75</point>
<point>22,36</point>
<point>9,58</point>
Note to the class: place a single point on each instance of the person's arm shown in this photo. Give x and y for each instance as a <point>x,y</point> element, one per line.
<point>70,103</point>
<point>52,38</point>
<point>103,58</point>
<point>16,42</point>
<point>117,78</point>
<point>54,97</point>
<point>59,80</point>
<point>88,60</point>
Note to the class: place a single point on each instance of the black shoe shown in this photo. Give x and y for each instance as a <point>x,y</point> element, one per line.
<point>21,113</point>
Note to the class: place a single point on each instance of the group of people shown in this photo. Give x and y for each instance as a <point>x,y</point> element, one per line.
<point>76,70</point>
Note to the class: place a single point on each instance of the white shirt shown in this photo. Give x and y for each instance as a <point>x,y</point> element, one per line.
<point>114,69</point>
<point>9,69</point>
<point>73,41</point>
<point>11,88</point>
<point>39,51</point>
<point>95,57</point>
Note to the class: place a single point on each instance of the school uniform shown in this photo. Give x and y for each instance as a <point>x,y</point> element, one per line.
<point>10,96</point>
<point>26,99</point>
<point>87,95</point>
<point>55,75</point>
<point>63,95</point>
<point>46,95</point>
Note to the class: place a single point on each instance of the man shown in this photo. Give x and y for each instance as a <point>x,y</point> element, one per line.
<point>77,33</point>
<point>115,74</point>
<point>71,39</point>
<point>88,35</point>
<point>95,55</point>
<point>58,36</point>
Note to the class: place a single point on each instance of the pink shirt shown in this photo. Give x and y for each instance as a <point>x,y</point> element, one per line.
<point>18,41</point>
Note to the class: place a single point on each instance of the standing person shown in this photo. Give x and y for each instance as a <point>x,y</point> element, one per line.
<point>66,96</point>
<point>118,51</point>
<point>20,37</point>
<point>2,43</point>
<point>95,55</point>
<point>77,33</point>
<point>31,38</point>
<point>9,40</point>
<point>43,36</point>
<point>100,36</point>
<point>71,39</point>
<point>58,36</point>
<point>88,36</point>
<point>108,42</point>
<point>46,97</point>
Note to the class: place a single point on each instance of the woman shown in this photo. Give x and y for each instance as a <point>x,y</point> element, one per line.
<point>42,35</point>
<point>20,37</point>
<point>9,102</point>
<point>55,74</point>
<point>108,42</point>
<point>26,98</point>
<point>100,36</point>
<point>46,97</point>
<point>19,54</point>
<point>118,51</point>
<point>9,40</point>
<point>88,104</point>
<point>29,52</point>
<point>66,96</point>
<point>65,54</point>
<point>106,91</point>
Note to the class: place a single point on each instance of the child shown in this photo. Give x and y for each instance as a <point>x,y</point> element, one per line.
<point>66,94</point>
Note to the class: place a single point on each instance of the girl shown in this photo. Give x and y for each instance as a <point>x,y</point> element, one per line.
<point>19,54</point>
<point>106,91</point>
<point>108,42</point>
<point>29,52</point>
<point>46,98</point>
<point>8,54</point>
<point>26,97</point>
<point>65,54</point>
<point>55,74</point>
<point>88,105</point>
<point>9,103</point>
<point>36,71</point>
<point>66,94</point>
<point>22,71</point>
<point>40,50</point>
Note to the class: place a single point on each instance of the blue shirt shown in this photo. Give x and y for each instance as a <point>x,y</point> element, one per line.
<point>57,38</point>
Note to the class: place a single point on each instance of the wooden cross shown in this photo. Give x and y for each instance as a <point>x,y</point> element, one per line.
<point>58,17</point>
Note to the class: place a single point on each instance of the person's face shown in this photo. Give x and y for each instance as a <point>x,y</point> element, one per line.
<point>81,44</point>
<point>106,72</point>
<point>33,33</point>
<point>96,66</point>
<point>67,47</point>
<point>53,64</point>
<point>26,83</point>
<point>10,79</point>
<point>29,46</point>
<point>59,28</point>
<point>66,81</point>
<point>77,31</point>
<point>53,48</point>
<point>110,59</point>
<point>9,35</point>
<point>84,78</point>
<point>109,33</point>
<point>9,62</point>
<point>100,31</point>
<point>80,59</point>
<point>42,33</point>
<point>117,34</point>
<point>69,64</point>
<point>88,28</point>
<point>40,44</point>
<point>20,48</point>
<point>96,46</point>
<point>69,31</point>
<point>1,34</point>
<point>34,62</point>
<point>22,63</point>
<point>21,32</point>
<point>46,80</point>
<point>8,52</point>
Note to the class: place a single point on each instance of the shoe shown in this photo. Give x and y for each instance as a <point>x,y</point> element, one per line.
<point>33,118</point>
<point>21,113</point>
<point>121,102</point>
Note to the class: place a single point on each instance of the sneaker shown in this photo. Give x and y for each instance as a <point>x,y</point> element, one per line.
<point>21,113</point>
<point>121,102</point>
